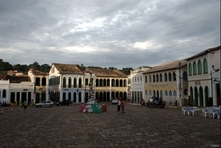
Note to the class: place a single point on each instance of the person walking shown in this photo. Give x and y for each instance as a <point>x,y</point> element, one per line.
<point>122,105</point>
<point>118,105</point>
<point>25,104</point>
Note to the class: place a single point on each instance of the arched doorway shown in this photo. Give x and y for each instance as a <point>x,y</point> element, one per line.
<point>79,95</point>
<point>196,96</point>
<point>101,97</point>
<point>201,96</point>
<point>191,96</point>
<point>108,96</point>
<point>105,97</point>
<point>64,96</point>
<point>125,96</point>
<point>75,98</point>
<point>69,96</point>
<point>174,97</point>
<point>157,94</point>
<point>206,96</point>
<point>170,97</point>
<point>112,95</point>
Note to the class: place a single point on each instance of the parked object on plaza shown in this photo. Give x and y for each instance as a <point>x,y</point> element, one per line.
<point>157,102</point>
<point>65,102</point>
<point>114,101</point>
<point>189,110</point>
<point>211,112</point>
<point>5,104</point>
<point>97,108</point>
<point>44,104</point>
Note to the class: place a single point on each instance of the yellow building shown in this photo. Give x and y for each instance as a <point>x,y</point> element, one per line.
<point>169,81</point>
<point>108,84</point>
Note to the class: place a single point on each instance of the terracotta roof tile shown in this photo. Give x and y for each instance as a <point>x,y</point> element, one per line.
<point>15,79</point>
<point>67,68</point>
<point>204,52</point>
<point>106,72</point>
<point>3,77</point>
<point>167,66</point>
<point>38,72</point>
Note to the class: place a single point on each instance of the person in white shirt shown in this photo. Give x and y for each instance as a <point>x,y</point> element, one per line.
<point>151,102</point>
<point>118,106</point>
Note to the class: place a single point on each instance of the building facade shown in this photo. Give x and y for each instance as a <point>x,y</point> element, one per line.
<point>40,80</point>
<point>16,89</point>
<point>137,84</point>
<point>66,83</point>
<point>108,84</point>
<point>169,81</point>
<point>204,77</point>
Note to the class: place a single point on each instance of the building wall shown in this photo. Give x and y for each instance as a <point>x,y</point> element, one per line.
<point>169,90</point>
<point>137,84</point>
<point>202,91</point>
<point>111,91</point>
<point>16,92</point>
<point>4,87</point>
<point>41,91</point>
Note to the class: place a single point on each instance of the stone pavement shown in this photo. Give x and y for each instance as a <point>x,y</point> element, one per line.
<point>139,126</point>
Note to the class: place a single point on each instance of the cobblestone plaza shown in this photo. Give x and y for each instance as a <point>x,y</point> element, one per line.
<point>139,126</point>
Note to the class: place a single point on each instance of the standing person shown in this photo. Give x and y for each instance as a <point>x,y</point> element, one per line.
<point>142,102</point>
<point>118,105</point>
<point>122,105</point>
<point>25,104</point>
<point>151,103</point>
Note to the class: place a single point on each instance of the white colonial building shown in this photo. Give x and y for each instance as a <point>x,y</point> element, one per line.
<point>204,77</point>
<point>66,83</point>
<point>15,88</point>
<point>137,84</point>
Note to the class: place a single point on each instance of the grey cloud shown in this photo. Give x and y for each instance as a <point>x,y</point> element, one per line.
<point>181,28</point>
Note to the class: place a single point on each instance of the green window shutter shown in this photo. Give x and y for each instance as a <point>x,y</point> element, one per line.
<point>199,67</point>
<point>190,69</point>
<point>205,66</point>
<point>194,68</point>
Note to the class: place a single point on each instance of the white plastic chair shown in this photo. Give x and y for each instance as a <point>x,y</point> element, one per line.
<point>216,113</point>
<point>205,112</point>
<point>184,110</point>
<point>191,110</point>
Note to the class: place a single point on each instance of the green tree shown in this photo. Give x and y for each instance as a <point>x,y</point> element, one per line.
<point>35,65</point>
<point>82,67</point>
<point>5,66</point>
<point>22,68</point>
<point>94,67</point>
<point>112,68</point>
<point>44,68</point>
<point>126,70</point>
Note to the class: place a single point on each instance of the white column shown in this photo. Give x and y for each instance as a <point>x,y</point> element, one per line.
<point>214,95</point>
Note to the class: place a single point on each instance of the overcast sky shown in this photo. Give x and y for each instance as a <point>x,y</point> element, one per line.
<point>106,33</point>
